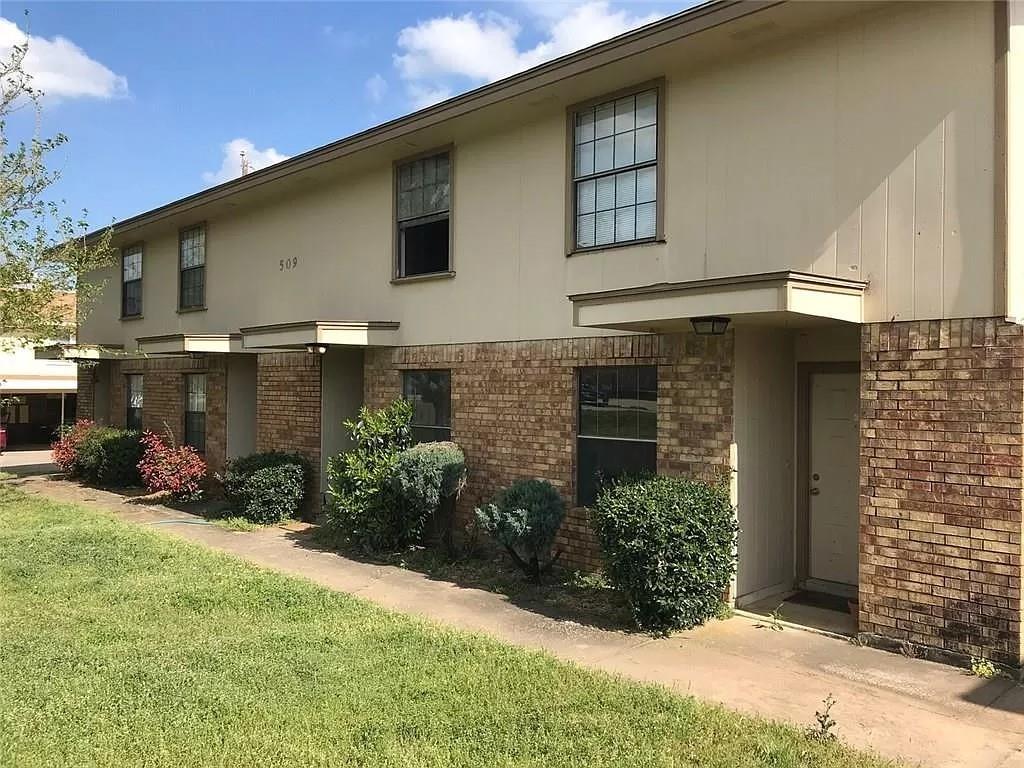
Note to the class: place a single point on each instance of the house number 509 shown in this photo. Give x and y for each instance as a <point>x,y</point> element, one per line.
<point>289,263</point>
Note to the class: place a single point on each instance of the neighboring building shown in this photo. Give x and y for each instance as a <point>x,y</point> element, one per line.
<point>844,181</point>
<point>36,396</point>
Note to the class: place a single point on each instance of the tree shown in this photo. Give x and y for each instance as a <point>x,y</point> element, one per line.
<point>43,252</point>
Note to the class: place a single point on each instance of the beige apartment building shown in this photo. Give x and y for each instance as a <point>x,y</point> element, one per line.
<point>531,262</point>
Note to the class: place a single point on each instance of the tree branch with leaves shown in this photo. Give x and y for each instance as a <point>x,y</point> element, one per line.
<point>44,253</point>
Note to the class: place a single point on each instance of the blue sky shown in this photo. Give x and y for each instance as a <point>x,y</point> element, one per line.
<point>157,99</point>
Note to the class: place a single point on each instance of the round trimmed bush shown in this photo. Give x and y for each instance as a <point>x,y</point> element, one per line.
<point>422,479</point>
<point>267,487</point>
<point>668,546</point>
<point>109,457</point>
<point>524,519</point>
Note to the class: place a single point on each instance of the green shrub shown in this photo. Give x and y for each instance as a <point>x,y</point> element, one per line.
<point>109,457</point>
<point>668,546</point>
<point>267,487</point>
<point>361,510</point>
<point>422,479</point>
<point>524,519</point>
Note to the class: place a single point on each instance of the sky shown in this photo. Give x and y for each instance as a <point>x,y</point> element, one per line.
<point>157,99</point>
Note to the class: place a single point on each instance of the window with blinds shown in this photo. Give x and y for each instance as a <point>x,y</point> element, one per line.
<point>423,208</point>
<point>195,410</point>
<point>192,263</point>
<point>131,281</point>
<point>615,178</point>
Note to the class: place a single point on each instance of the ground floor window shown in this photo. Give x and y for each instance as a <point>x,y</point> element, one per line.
<point>430,393</point>
<point>195,410</point>
<point>618,426</point>
<point>133,416</point>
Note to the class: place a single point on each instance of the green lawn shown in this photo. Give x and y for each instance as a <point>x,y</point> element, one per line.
<point>121,646</point>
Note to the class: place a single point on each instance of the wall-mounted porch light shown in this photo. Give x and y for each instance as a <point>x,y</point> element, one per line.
<point>316,349</point>
<point>710,325</point>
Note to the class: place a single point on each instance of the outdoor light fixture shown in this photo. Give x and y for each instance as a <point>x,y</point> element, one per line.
<point>710,325</point>
<point>316,349</point>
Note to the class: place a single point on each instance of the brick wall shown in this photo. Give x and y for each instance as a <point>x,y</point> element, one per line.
<point>163,398</point>
<point>288,406</point>
<point>85,403</point>
<point>514,409</point>
<point>942,409</point>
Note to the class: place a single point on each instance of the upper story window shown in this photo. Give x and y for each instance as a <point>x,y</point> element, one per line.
<point>131,281</point>
<point>192,263</point>
<point>423,216</point>
<point>430,393</point>
<point>615,171</point>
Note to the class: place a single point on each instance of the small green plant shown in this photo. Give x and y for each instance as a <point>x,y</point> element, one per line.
<point>822,730</point>
<point>524,519</point>
<point>668,547</point>
<point>724,612</point>
<point>983,668</point>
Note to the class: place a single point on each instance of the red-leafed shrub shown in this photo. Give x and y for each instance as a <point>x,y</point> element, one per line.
<point>65,448</point>
<point>178,470</point>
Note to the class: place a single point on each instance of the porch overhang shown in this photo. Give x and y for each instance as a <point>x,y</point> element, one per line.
<point>80,352</point>
<point>321,333</point>
<point>766,297</point>
<point>190,343</point>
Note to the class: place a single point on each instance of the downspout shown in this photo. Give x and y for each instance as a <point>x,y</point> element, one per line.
<point>1009,148</point>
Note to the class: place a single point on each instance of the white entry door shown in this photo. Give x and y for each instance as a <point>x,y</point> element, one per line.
<point>834,480</point>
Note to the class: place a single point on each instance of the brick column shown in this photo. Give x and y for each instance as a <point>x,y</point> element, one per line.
<point>942,411</point>
<point>85,402</point>
<point>288,406</point>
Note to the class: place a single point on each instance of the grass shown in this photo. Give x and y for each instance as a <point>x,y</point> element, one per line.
<point>123,646</point>
<point>564,594</point>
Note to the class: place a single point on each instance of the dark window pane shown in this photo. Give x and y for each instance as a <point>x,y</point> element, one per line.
<point>193,287</point>
<point>424,247</point>
<point>132,298</point>
<point>647,403</point>
<point>430,434</point>
<point>195,430</point>
<point>133,419</point>
<point>430,393</point>
<point>602,461</point>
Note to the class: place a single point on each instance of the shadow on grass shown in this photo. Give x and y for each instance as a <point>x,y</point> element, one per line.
<point>585,599</point>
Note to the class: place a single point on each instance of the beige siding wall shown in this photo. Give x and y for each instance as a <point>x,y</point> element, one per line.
<point>862,150</point>
<point>764,429</point>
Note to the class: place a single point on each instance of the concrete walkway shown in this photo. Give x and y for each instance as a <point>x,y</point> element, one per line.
<point>922,712</point>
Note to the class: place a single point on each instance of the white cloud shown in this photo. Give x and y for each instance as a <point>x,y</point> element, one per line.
<point>421,96</point>
<point>60,68</point>
<point>376,88</point>
<point>231,165</point>
<point>483,47</point>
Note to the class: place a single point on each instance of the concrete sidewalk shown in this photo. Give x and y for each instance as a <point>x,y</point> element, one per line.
<point>922,712</point>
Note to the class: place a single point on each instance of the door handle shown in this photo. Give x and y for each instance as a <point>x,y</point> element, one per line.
<point>815,491</point>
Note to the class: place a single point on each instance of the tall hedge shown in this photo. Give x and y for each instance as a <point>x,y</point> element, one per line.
<point>668,545</point>
<point>361,509</point>
<point>423,481</point>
